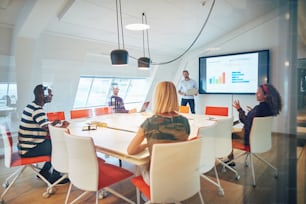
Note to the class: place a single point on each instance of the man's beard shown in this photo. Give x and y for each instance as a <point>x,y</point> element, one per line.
<point>46,100</point>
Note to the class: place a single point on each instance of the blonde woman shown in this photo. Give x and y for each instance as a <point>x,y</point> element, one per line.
<point>166,125</point>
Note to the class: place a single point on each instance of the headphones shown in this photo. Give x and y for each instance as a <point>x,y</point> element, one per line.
<point>46,92</point>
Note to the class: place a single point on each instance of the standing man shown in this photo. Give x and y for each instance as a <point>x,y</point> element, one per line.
<point>188,89</point>
<point>33,135</point>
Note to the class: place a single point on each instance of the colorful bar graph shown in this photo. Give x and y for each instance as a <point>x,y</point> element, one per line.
<point>217,79</point>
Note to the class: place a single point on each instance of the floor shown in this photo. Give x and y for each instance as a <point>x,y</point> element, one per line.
<point>289,187</point>
<point>288,154</point>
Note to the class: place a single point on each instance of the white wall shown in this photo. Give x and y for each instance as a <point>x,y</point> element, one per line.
<point>61,61</point>
<point>261,34</point>
<point>65,60</point>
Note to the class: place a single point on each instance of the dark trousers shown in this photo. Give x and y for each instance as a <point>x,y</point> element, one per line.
<point>42,149</point>
<point>184,102</point>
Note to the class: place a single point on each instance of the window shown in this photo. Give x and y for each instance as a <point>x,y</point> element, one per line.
<point>96,91</point>
<point>8,94</point>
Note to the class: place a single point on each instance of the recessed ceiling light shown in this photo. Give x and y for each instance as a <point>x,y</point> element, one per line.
<point>137,26</point>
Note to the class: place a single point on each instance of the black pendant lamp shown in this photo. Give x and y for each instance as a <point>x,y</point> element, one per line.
<point>120,56</point>
<point>144,62</point>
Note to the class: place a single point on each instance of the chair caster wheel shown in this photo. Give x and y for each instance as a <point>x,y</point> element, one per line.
<point>220,192</point>
<point>276,175</point>
<point>5,185</point>
<point>51,190</point>
<point>237,177</point>
<point>45,195</point>
<point>103,194</point>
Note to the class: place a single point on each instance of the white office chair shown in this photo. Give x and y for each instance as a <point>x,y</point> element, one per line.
<point>88,172</point>
<point>174,173</point>
<point>207,161</point>
<point>223,144</point>
<point>260,141</point>
<point>12,159</point>
<point>59,157</point>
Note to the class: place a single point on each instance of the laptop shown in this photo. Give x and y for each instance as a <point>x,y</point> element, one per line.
<point>191,92</point>
<point>144,107</point>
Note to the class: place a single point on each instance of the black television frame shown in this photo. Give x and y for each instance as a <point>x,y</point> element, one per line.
<point>263,70</point>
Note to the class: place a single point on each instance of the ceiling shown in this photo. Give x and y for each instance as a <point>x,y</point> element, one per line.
<point>174,24</point>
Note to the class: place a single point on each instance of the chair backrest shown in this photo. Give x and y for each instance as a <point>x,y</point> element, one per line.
<point>174,174</point>
<point>82,162</point>
<point>60,115</point>
<point>223,137</point>
<point>102,110</point>
<point>184,109</point>
<point>81,113</point>
<point>261,134</point>
<point>207,137</point>
<point>216,110</point>
<point>59,157</point>
<point>7,143</point>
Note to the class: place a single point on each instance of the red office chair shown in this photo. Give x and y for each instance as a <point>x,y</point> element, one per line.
<point>216,110</point>
<point>59,157</point>
<point>52,116</point>
<point>170,183</point>
<point>207,162</point>
<point>102,110</point>
<point>12,159</point>
<point>89,173</point>
<point>184,109</point>
<point>81,113</point>
<point>260,142</point>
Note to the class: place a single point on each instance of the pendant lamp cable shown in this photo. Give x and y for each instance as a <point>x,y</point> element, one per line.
<point>144,21</point>
<point>194,41</point>
<point>119,16</point>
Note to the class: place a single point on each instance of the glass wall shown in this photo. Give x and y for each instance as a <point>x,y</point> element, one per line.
<point>96,91</point>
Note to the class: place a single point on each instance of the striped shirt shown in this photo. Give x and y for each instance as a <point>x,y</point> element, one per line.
<point>30,131</point>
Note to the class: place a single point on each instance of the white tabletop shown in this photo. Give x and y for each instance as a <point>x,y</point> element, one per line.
<point>122,127</point>
<point>113,142</point>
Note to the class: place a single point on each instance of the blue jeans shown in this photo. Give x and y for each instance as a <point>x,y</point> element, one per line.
<point>184,102</point>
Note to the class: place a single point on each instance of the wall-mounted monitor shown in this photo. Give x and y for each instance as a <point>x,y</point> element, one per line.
<point>237,73</point>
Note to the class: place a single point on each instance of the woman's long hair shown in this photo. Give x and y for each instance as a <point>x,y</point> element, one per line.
<point>272,97</point>
<point>165,98</point>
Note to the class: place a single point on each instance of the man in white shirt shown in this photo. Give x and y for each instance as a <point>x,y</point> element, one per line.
<point>188,89</point>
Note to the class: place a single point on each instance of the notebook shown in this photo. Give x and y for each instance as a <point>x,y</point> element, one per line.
<point>89,127</point>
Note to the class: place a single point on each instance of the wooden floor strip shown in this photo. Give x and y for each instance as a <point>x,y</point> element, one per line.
<point>29,189</point>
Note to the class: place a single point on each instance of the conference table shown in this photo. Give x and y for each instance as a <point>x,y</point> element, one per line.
<point>113,132</point>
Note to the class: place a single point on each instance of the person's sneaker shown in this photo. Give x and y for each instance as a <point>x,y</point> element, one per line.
<point>63,182</point>
<point>45,174</point>
<point>230,163</point>
<point>144,198</point>
<point>56,177</point>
